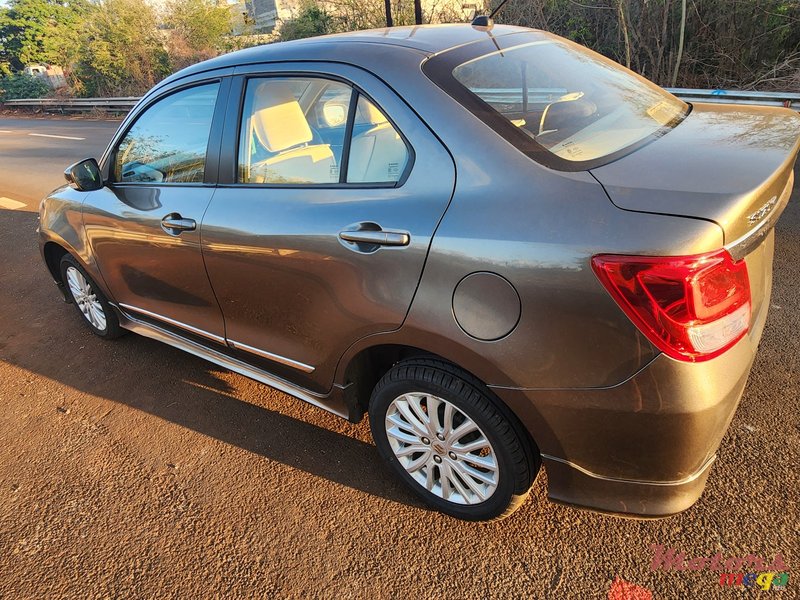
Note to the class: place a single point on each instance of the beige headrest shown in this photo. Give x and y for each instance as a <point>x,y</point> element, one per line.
<point>278,121</point>
<point>370,113</point>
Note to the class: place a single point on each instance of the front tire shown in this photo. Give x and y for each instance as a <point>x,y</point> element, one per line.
<point>444,435</point>
<point>90,302</point>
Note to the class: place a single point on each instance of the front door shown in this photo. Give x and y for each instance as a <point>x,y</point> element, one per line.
<point>320,234</point>
<point>144,228</point>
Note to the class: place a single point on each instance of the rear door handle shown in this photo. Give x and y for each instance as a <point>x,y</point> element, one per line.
<point>378,238</point>
<point>173,223</point>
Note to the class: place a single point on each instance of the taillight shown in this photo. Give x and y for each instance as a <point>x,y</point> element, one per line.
<point>691,307</point>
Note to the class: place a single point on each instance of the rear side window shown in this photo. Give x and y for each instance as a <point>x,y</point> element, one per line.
<point>377,152</point>
<point>311,131</point>
<point>169,140</point>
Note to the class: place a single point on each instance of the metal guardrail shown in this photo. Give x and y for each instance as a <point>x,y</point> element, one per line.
<point>74,104</point>
<point>547,95</point>
<point>786,99</point>
<point>122,105</point>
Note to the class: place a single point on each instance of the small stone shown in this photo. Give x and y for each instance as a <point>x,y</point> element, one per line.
<point>63,409</point>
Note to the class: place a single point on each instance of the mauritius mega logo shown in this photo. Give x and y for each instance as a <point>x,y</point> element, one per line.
<point>750,571</point>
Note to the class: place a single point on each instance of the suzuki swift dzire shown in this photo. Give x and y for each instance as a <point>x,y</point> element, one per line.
<point>508,250</point>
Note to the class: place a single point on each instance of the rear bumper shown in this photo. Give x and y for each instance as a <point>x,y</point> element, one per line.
<point>644,447</point>
<point>571,484</point>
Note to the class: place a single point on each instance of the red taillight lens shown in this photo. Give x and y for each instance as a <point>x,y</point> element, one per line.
<point>691,307</point>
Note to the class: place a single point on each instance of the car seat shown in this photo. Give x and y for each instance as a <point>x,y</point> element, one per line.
<point>280,127</point>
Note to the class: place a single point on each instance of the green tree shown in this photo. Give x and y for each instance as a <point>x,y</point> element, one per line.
<point>202,23</point>
<point>62,38</point>
<point>121,50</point>
<point>41,31</point>
<point>198,30</point>
<point>312,20</point>
<point>20,85</point>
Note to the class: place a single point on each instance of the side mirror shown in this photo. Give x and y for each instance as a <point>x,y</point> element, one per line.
<point>84,176</point>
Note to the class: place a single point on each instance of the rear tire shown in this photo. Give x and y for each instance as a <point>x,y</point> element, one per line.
<point>89,301</point>
<point>452,444</point>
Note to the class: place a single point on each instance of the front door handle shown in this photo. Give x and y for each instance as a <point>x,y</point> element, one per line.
<point>377,238</point>
<point>174,224</point>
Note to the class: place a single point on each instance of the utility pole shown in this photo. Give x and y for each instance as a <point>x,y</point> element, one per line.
<point>418,12</point>
<point>388,5</point>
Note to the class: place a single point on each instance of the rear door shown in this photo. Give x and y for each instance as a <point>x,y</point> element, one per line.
<point>330,191</point>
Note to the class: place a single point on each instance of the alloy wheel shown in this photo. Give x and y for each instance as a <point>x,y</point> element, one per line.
<point>86,298</point>
<point>442,448</point>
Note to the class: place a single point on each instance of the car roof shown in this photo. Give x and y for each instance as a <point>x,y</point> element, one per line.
<point>430,39</point>
<point>423,39</point>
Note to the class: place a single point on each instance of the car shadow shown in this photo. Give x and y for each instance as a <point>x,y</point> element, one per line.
<point>46,337</point>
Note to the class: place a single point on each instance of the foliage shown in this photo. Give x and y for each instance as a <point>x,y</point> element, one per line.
<point>198,30</point>
<point>122,52</point>
<point>122,47</point>
<point>312,20</point>
<point>22,86</point>
<point>729,43</point>
<point>320,17</point>
<point>41,31</point>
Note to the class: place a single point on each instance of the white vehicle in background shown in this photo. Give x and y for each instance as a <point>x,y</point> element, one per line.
<point>53,75</point>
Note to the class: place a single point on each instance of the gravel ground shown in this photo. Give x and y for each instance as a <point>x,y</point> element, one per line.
<point>131,470</point>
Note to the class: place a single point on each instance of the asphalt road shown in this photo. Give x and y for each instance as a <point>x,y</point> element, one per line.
<point>35,152</point>
<point>131,470</point>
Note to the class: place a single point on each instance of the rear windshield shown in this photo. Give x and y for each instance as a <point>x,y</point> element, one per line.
<point>575,104</point>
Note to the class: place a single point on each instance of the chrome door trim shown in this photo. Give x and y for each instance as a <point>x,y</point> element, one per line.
<point>221,340</point>
<point>195,330</point>
<point>130,323</point>
<point>270,356</point>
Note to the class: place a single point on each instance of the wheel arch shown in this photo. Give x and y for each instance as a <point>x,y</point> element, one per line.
<point>54,248</point>
<point>363,370</point>
<point>53,252</point>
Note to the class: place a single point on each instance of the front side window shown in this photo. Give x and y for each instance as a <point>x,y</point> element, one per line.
<point>295,131</point>
<point>168,142</point>
<point>570,101</point>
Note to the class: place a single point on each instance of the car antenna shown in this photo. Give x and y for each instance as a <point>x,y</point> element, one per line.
<point>487,21</point>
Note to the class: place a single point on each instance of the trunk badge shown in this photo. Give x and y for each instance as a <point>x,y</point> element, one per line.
<point>763,211</point>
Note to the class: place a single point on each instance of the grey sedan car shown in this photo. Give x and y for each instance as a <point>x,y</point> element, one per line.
<point>509,251</point>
